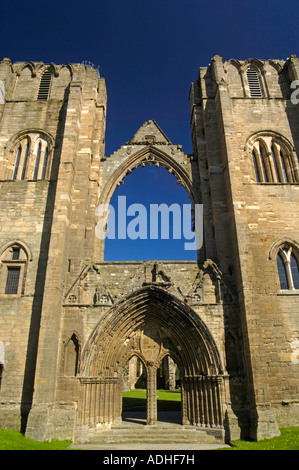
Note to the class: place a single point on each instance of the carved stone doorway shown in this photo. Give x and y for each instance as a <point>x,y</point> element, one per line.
<point>136,389</point>
<point>150,324</point>
<point>134,385</point>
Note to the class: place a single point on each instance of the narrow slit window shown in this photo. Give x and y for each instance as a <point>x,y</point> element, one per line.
<point>71,357</point>
<point>256,168</point>
<point>12,282</point>
<point>275,165</point>
<point>263,160</point>
<point>17,163</point>
<point>44,86</point>
<point>35,174</point>
<point>282,273</point>
<point>285,174</point>
<point>45,164</point>
<point>295,271</point>
<point>254,83</point>
<point>25,162</point>
<point>15,253</point>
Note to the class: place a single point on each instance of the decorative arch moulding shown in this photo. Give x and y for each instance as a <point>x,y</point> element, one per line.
<point>147,156</point>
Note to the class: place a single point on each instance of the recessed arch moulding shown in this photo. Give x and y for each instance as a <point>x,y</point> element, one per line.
<point>150,324</point>
<point>149,146</point>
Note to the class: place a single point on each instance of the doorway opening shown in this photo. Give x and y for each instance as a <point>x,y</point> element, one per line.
<point>134,392</point>
<point>169,397</point>
<point>151,325</point>
<point>134,397</point>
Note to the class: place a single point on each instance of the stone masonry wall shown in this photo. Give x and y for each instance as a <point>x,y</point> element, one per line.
<point>260,215</point>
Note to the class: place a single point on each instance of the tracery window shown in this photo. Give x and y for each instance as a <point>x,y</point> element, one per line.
<point>253,79</point>
<point>288,267</point>
<point>273,160</point>
<point>31,158</point>
<point>14,262</point>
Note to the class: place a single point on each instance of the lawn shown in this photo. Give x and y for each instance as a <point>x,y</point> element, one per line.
<point>14,440</point>
<point>135,400</point>
<point>288,440</point>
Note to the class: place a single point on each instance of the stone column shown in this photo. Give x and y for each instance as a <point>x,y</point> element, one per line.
<point>132,372</point>
<point>99,401</point>
<point>151,394</point>
<point>171,373</point>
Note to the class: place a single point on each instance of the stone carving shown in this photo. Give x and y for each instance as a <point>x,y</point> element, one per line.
<point>89,289</point>
<point>102,296</point>
<point>150,344</point>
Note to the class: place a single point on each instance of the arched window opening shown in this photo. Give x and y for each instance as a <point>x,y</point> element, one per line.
<point>31,158</point>
<point>37,161</point>
<point>282,273</point>
<point>283,165</point>
<point>71,361</point>
<point>44,86</point>
<point>150,218</point>
<point>14,262</point>
<point>17,162</point>
<point>273,160</point>
<point>265,163</point>
<point>257,169</point>
<point>288,268</point>
<point>276,165</point>
<point>25,162</point>
<point>45,165</point>
<point>254,83</point>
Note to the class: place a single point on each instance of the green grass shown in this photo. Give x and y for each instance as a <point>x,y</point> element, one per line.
<point>14,440</point>
<point>288,440</point>
<point>135,400</point>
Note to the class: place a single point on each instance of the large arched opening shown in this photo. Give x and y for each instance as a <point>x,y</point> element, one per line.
<point>161,162</point>
<point>157,215</point>
<point>150,324</point>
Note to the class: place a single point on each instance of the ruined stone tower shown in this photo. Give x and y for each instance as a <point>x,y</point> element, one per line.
<point>70,321</point>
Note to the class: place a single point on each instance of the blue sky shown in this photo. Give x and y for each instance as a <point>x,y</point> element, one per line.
<point>150,186</point>
<point>149,52</point>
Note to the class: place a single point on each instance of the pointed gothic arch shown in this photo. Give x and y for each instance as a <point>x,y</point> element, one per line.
<point>148,155</point>
<point>150,324</point>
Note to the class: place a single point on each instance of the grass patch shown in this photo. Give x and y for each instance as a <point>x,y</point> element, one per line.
<point>14,440</point>
<point>135,400</point>
<point>288,440</point>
